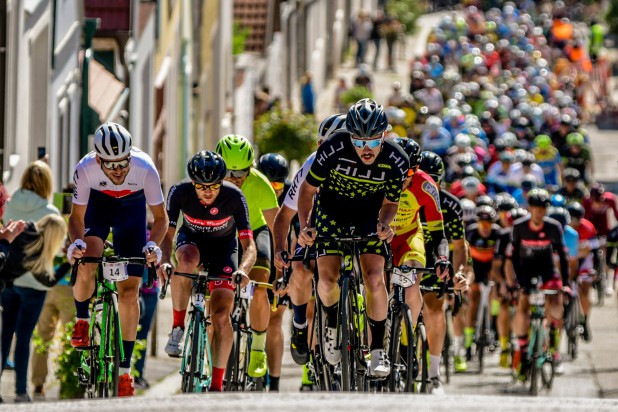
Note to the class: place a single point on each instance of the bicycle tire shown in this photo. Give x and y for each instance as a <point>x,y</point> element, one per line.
<point>359,340</point>
<point>117,342</point>
<point>109,351</point>
<point>446,347</point>
<point>191,357</point>
<point>481,341</point>
<point>344,326</point>
<point>535,344</point>
<point>231,370</point>
<point>422,351</point>
<point>404,367</point>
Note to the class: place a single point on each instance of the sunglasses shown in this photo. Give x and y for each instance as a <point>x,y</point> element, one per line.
<point>212,187</point>
<point>238,174</point>
<point>412,170</point>
<point>370,143</point>
<point>277,185</point>
<point>115,164</point>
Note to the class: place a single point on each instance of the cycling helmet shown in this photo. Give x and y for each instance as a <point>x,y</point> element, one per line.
<point>274,167</point>
<point>112,141</point>
<point>484,200</point>
<point>505,202</point>
<point>433,165</point>
<point>575,139</point>
<point>470,185</point>
<point>560,214</point>
<point>542,141</point>
<point>558,200</point>
<point>412,149</point>
<point>571,175</point>
<point>576,210</point>
<point>433,123</point>
<point>236,150</point>
<point>206,167</point>
<point>528,182</point>
<point>538,197</point>
<point>506,156</point>
<point>366,119</point>
<point>462,140</point>
<point>469,210</point>
<point>485,213</point>
<point>597,190</point>
<point>469,171</point>
<point>517,213</point>
<point>330,124</point>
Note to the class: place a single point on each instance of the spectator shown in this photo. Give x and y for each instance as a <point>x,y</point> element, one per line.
<point>307,94</point>
<point>363,78</point>
<point>376,36</point>
<point>395,98</point>
<point>391,32</point>
<point>361,31</point>
<point>339,105</point>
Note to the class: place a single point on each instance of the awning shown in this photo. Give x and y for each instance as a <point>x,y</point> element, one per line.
<point>104,89</point>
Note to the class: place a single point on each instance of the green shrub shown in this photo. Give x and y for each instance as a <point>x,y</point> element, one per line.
<point>406,11</point>
<point>67,363</point>
<point>354,94</point>
<point>287,132</point>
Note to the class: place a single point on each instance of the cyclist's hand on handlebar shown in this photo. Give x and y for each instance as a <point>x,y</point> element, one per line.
<point>567,290</point>
<point>278,289</point>
<point>244,278</point>
<point>442,266</point>
<point>306,236</point>
<point>76,250</point>
<point>153,252</point>
<point>163,271</point>
<point>460,282</point>
<point>385,232</point>
<point>279,262</point>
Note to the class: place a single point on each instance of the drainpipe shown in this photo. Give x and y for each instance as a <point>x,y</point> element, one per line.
<point>2,82</point>
<point>85,124</point>
<point>186,93</point>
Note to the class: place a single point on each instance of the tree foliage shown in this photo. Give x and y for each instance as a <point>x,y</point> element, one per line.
<point>354,94</point>
<point>406,11</point>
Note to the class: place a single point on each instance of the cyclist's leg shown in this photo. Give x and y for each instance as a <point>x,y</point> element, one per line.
<point>474,296</point>
<point>300,289</point>
<point>585,281</point>
<point>188,257</point>
<point>328,289</point>
<point>274,347</point>
<point>409,250</point>
<point>435,325</point>
<point>221,302</point>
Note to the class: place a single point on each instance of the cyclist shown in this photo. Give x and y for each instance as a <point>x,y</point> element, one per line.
<point>588,243</point>
<point>571,191</point>
<point>420,192</point>
<point>453,228</point>
<point>300,286</point>
<point>238,154</point>
<point>481,237</point>
<point>276,169</point>
<point>354,167</point>
<point>548,157</point>
<point>112,186</point>
<point>534,240</point>
<point>212,212</point>
<point>577,154</point>
<point>435,137</point>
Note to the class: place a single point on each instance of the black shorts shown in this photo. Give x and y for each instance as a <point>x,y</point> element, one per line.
<point>219,256</point>
<point>126,217</point>
<point>263,243</point>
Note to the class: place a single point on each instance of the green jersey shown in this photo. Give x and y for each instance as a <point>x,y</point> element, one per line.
<point>260,196</point>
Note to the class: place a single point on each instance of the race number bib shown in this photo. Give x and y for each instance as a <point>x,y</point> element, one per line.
<point>115,271</point>
<point>402,279</point>
<point>199,300</point>
<point>537,298</point>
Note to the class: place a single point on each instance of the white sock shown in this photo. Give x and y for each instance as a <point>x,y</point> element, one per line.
<point>122,371</point>
<point>297,326</point>
<point>458,342</point>
<point>434,366</point>
<point>84,319</point>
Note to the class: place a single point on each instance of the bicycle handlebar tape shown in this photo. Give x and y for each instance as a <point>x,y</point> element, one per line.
<point>306,262</point>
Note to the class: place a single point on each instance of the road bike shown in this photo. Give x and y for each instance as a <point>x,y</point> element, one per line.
<point>100,361</point>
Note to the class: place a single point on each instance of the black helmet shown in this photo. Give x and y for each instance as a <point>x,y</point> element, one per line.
<point>484,200</point>
<point>330,124</point>
<point>505,202</point>
<point>485,213</point>
<point>560,214</point>
<point>206,167</point>
<point>597,190</point>
<point>571,175</point>
<point>366,119</point>
<point>433,165</point>
<point>412,149</point>
<point>539,197</point>
<point>274,167</point>
<point>576,210</point>
<point>528,182</point>
<point>517,213</point>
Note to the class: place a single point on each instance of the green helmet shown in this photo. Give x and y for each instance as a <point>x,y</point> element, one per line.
<point>542,141</point>
<point>576,139</point>
<point>236,150</point>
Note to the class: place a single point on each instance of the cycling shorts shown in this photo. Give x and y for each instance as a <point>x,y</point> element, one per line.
<point>327,226</point>
<point>283,300</point>
<point>409,246</point>
<point>552,282</point>
<point>481,271</point>
<point>126,217</point>
<point>219,256</point>
<point>263,243</point>
<point>586,267</point>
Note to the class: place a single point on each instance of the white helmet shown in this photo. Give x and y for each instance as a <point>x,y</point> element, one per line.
<point>469,210</point>
<point>433,123</point>
<point>330,125</point>
<point>112,141</point>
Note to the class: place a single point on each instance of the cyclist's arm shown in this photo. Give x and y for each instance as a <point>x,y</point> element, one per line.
<point>166,244</point>
<point>269,215</point>
<point>305,203</point>
<point>160,224</point>
<point>249,254</point>
<point>388,211</point>
<point>561,249</point>
<point>281,227</point>
<point>459,254</point>
<point>77,226</point>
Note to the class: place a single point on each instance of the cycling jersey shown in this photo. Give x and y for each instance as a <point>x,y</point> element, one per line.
<point>291,196</point>
<point>532,251</point>
<point>597,213</point>
<point>578,161</point>
<point>576,195</point>
<point>142,180</point>
<point>260,196</point>
<point>482,250</point>
<point>227,214</point>
<point>571,240</point>
<point>549,160</point>
<point>586,231</point>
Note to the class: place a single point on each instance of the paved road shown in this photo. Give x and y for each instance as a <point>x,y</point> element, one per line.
<point>593,375</point>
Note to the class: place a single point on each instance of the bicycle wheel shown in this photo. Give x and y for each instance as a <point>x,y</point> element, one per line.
<point>191,362</point>
<point>347,360</point>
<point>322,372</point>
<point>231,369</point>
<point>422,357</point>
<point>481,343</point>
<point>536,345</point>
<point>447,356</point>
<point>404,367</point>
<point>109,351</point>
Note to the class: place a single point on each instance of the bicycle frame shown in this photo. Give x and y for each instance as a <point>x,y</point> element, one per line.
<point>482,332</point>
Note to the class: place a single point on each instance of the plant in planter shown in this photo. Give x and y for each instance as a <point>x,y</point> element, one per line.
<point>67,363</point>
<point>354,94</point>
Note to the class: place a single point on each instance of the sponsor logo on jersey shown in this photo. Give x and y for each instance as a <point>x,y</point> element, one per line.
<point>384,165</point>
<point>227,269</point>
<point>354,172</point>
<point>432,191</point>
<point>102,183</point>
<point>132,184</point>
<point>328,151</point>
<point>214,211</point>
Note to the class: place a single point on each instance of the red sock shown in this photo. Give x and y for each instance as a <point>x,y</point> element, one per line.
<point>216,384</point>
<point>179,318</point>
